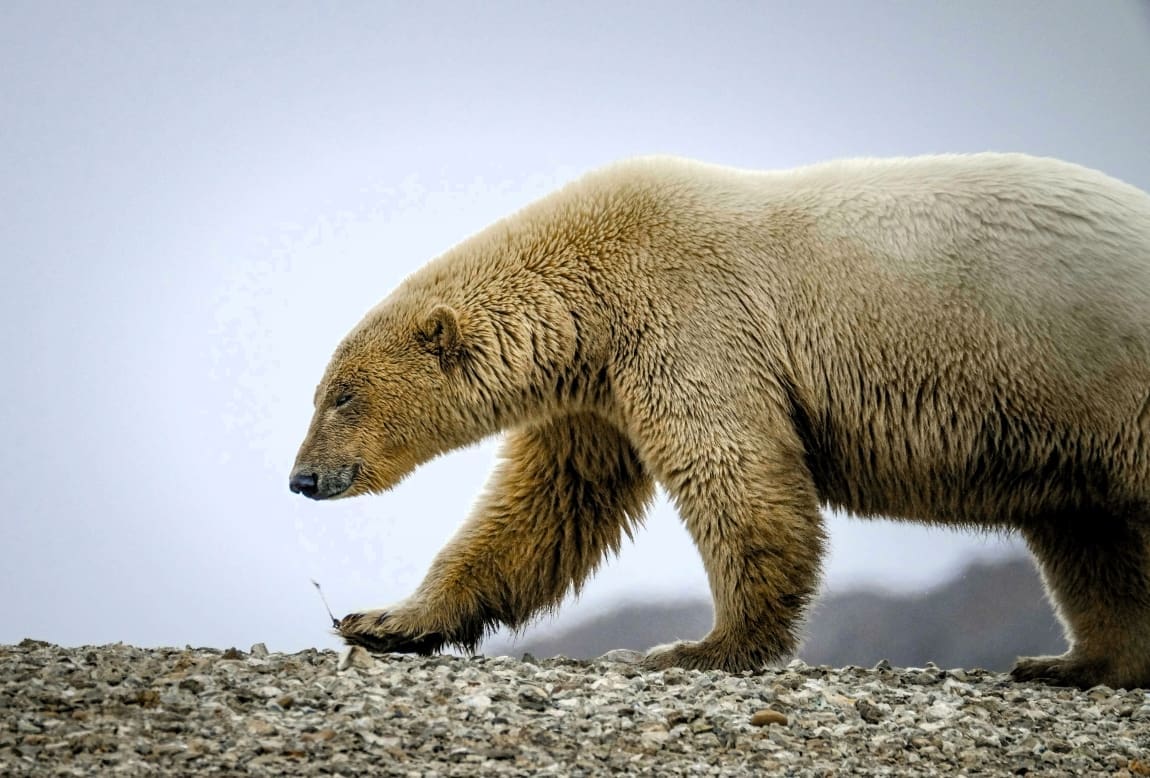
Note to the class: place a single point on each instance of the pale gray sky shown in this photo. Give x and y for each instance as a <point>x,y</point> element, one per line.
<point>197,200</point>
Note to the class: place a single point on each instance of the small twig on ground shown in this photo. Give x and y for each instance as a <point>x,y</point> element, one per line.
<point>334,620</point>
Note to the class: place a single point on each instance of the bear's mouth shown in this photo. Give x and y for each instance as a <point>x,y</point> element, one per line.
<point>324,485</point>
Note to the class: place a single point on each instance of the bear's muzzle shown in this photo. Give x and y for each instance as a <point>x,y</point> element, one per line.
<point>322,485</point>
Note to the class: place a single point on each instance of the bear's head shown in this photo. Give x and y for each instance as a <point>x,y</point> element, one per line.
<point>391,399</point>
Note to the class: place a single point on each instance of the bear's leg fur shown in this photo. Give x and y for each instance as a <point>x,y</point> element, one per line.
<point>753,514</point>
<point>567,491</point>
<point>1097,573</point>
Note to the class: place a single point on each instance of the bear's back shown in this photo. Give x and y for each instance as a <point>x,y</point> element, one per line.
<point>989,325</point>
<point>940,316</point>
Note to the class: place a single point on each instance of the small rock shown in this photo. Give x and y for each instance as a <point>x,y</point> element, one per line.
<point>924,677</point>
<point>271,745</point>
<point>727,738</point>
<point>533,698</point>
<point>654,737</point>
<point>840,700</point>
<point>940,711</point>
<point>259,650</point>
<point>169,749</point>
<point>193,685</point>
<point>260,727</point>
<point>622,655</point>
<point>1099,693</point>
<point>768,716</point>
<point>791,681</point>
<point>868,711</point>
<point>700,725</point>
<point>354,656</point>
<point>320,735</point>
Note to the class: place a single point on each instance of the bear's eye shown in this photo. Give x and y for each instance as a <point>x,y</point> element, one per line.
<point>343,399</point>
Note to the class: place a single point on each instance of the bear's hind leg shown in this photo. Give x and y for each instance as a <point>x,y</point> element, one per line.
<point>1098,578</point>
<point>567,491</point>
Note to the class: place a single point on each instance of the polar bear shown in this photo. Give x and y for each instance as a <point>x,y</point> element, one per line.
<point>960,340</point>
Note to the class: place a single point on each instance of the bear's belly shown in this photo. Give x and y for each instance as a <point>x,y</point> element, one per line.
<point>976,466</point>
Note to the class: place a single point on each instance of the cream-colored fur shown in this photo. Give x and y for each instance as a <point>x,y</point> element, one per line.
<point>958,339</point>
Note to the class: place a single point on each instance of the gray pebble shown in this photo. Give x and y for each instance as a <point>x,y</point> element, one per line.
<point>624,655</point>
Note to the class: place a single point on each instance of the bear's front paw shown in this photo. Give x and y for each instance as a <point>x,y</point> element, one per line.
<point>707,654</point>
<point>382,632</point>
<point>1064,670</point>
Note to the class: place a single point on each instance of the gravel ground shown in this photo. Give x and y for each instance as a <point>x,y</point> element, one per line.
<point>121,709</point>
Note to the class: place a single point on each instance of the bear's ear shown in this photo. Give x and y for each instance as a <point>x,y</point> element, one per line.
<point>440,334</point>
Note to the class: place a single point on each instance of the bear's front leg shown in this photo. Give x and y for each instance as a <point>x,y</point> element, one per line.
<point>565,494</point>
<point>753,514</point>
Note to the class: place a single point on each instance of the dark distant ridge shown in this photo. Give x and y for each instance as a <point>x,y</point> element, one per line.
<point>989,614</point>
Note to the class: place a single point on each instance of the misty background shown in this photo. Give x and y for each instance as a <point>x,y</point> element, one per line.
<point>198,200</point>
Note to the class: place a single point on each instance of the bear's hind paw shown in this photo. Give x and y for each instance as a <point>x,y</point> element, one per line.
<point>703,655</point>
<point>1064,670</point>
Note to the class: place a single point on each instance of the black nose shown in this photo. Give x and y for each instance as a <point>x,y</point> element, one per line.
<point>304,483</point>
